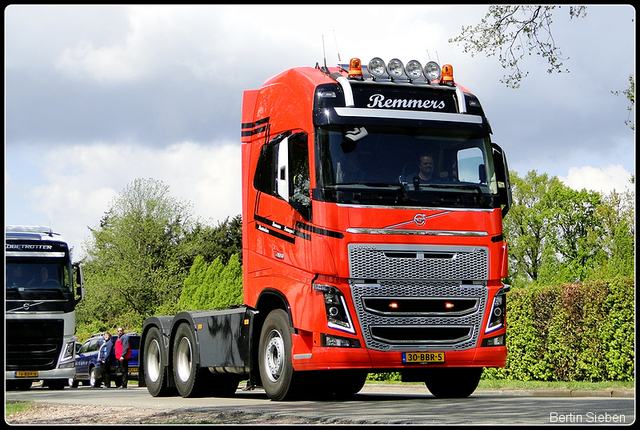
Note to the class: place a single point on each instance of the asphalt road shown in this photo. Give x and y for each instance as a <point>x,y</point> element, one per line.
<point>378,404</point>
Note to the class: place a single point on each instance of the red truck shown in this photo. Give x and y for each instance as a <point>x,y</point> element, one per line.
<point>372,212</point>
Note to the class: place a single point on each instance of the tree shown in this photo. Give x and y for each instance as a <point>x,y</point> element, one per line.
<point>512,31</point>
<point>223,240</point>
<point>630,94</point>
<point>137,257</point>
<point>212,285</point>
<point>577,230</point>
<point>557,234</point>
<point>528,225</point>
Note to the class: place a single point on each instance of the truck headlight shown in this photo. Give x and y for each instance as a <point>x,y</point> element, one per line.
<point>497,317</point>
<point>336,308</point>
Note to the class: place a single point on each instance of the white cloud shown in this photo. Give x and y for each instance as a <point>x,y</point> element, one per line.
<point>604,180</point>
<point>81,181</point>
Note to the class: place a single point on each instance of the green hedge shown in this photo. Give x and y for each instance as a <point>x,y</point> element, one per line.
<point>573,332</point>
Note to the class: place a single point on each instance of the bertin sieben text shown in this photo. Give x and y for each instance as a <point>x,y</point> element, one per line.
<point>589,417</point>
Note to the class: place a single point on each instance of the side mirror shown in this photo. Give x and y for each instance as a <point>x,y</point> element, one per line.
<point>79,280</point>
<point>502,175</point>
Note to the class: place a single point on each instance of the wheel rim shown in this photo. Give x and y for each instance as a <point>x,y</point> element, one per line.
<point>183,359</point>
<point>274,356</point>
<point>153,361</point>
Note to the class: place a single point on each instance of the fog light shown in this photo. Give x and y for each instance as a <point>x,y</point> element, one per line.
<point>432,71</point>
<point>377,68</point>
<point>339,342</point>
<point>413,69</point>
<point>395,68</point>
<point>494,341</point>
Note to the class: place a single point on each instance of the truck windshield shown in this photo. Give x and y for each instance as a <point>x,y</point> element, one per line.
<point>404,166</point>
<point>38,280</point>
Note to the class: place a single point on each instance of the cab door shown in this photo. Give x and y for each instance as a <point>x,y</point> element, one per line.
<point>283,201</point>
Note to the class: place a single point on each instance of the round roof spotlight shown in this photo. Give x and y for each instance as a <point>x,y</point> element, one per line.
<point>377,68</point>
<point>395,68</point>
<point>413,69</point>
<point>432,71</point>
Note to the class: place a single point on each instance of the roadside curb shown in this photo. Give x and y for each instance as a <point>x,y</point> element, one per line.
<point>421,389</point>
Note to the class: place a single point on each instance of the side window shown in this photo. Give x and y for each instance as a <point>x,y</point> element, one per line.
<point>299,170</point>
<point>283,170</point>
<point>265,179</point>
<point>471,166</point>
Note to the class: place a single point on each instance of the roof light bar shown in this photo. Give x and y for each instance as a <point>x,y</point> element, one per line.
<point>395,69</point>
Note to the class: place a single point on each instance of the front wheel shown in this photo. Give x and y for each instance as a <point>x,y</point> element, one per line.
<point>453,382</point>
<point>279,380</point>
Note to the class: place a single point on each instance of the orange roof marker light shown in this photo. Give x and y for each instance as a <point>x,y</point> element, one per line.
<point>447,74</point>
<point>355,68</point>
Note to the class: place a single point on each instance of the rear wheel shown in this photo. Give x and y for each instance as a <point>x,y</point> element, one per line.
<point>94,379</point>
<point>154,364</point>
<point>279,380</point>
<point>453,382</point>
<point>191,381</point>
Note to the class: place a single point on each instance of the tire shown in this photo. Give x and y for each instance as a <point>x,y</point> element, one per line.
<point>73,382</point>
<point>94,380</point>
<point>453,382</point>
<point>190,380</point>
<point>279,380</point>
<point>155,368</point>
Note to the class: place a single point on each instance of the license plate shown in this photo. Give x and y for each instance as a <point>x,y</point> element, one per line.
<point>27,374</point>
<point>133,369</point>
<point>423,357</point>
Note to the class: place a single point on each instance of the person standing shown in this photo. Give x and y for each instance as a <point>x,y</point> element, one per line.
<point>104,357</point>
<point>123,353</point>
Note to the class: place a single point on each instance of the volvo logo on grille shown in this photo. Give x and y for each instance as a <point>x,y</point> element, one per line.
<point>420,219</point>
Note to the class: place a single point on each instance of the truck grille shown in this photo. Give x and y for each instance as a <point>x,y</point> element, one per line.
<point>419,297</point>
<point>33,345</point>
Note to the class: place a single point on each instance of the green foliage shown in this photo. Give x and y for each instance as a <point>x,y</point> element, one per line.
<point>558,235</point>
<point>141,253</point>
<point>573,332</point>
<point>210,285</point>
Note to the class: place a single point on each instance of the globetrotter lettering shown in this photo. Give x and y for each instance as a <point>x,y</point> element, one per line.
<point>379,101</point>
<point>21,247</point>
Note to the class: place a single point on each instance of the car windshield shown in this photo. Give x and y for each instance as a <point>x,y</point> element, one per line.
<point>402,165</point>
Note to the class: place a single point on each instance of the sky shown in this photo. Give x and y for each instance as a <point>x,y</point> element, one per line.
<point>98,96</point>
